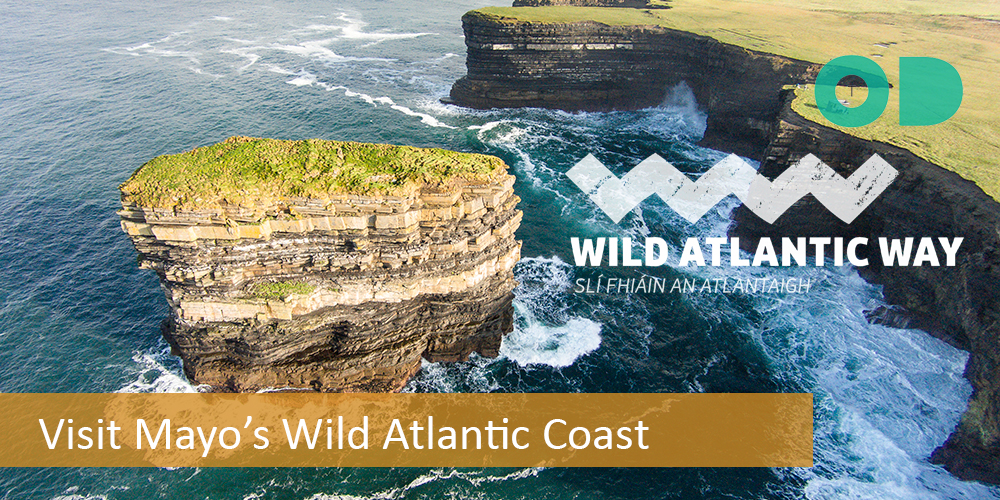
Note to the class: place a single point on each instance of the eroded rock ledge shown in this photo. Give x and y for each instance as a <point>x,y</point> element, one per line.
<point>342,292</point>
<point>591,66</point>
<point>588,66</point>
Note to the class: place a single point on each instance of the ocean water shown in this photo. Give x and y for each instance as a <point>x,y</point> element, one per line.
<point>91,90</point>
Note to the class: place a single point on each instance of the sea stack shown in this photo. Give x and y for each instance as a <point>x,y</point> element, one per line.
<point>323,265</point>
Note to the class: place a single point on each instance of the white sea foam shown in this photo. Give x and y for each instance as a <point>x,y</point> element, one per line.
<point>885,398</point>
<point>248,53</point>
<point>473,375</point>
<point>318,50</point>
<point>71,494</point>
<point>486,127</point>
<point>500,132</point>
<point>201,41</point>
<point>680,103</point>
<point>896,394</point>
<point>315,43</point>
<point>302,79</point>
<point>354,30</point>
<point>157,371</point>
<point>306,79</point>
<point>424,117</point>
<point>472,478</point>
<point>156,51</point>
<point>558,340</point>
<point>558,346</point>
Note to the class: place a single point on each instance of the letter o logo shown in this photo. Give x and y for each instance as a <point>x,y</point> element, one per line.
<point>826,91</point>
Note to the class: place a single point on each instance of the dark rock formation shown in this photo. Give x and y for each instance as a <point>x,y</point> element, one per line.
<point>590,66</point>
<point>594,67</point>
<point>339,294</point>
<point>959,304</point>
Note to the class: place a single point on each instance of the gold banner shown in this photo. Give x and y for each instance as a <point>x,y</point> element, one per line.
<point>406,430</point>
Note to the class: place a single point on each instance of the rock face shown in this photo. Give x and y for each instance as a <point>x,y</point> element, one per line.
<point>589,66</point>
<point>958,304</point>
<point>340,293</point>
<point>594,67</point>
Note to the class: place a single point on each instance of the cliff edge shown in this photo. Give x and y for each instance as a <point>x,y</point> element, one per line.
<point>593,66</point>
<point>323,265</point>
<point>749,65</point>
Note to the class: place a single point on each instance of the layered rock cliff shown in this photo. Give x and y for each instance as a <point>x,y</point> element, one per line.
<point>334,290</point>
<point>957,304</point>
<point>596,67</point>
<point>591,66</point>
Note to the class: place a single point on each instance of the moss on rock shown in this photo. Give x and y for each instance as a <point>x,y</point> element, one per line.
<point>281,289</point>
<point>248,171</point>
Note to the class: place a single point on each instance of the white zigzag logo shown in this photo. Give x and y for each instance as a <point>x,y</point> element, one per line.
<point>845,198</point>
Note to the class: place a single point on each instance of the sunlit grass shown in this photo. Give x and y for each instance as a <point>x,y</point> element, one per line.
<point>963,34</point>
<point>250,171</point>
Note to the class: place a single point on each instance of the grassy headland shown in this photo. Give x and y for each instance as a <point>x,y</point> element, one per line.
<point>245,170</point>
<point>965,34</point>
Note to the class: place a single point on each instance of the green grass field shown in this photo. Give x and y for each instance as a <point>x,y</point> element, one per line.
<point>248,171</point>
<point>964,34</point>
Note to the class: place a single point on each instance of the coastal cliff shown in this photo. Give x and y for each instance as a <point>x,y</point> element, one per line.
<point>957,304</point>
<point>588,65</point>
<point>359,262</point>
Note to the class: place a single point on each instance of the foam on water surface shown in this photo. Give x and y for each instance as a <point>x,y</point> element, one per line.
<point>563,338</point>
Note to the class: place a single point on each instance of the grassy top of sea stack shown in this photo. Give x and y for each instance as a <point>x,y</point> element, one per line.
<point>252,171</point>
<point>961,32</point>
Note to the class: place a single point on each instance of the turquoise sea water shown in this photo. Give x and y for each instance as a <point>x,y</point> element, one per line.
<point>91,90</point>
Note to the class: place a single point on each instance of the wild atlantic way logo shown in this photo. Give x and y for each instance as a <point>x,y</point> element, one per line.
<point>845,198</point>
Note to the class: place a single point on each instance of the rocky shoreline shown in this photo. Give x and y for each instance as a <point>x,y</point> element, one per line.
<point>956,304</point>
<point>341,293</point>
<point>592,66</point>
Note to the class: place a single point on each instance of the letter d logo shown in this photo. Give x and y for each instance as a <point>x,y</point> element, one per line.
<point>930,91</point>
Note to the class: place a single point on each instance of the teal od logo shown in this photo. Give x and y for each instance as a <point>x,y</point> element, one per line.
<point>930,91</point>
